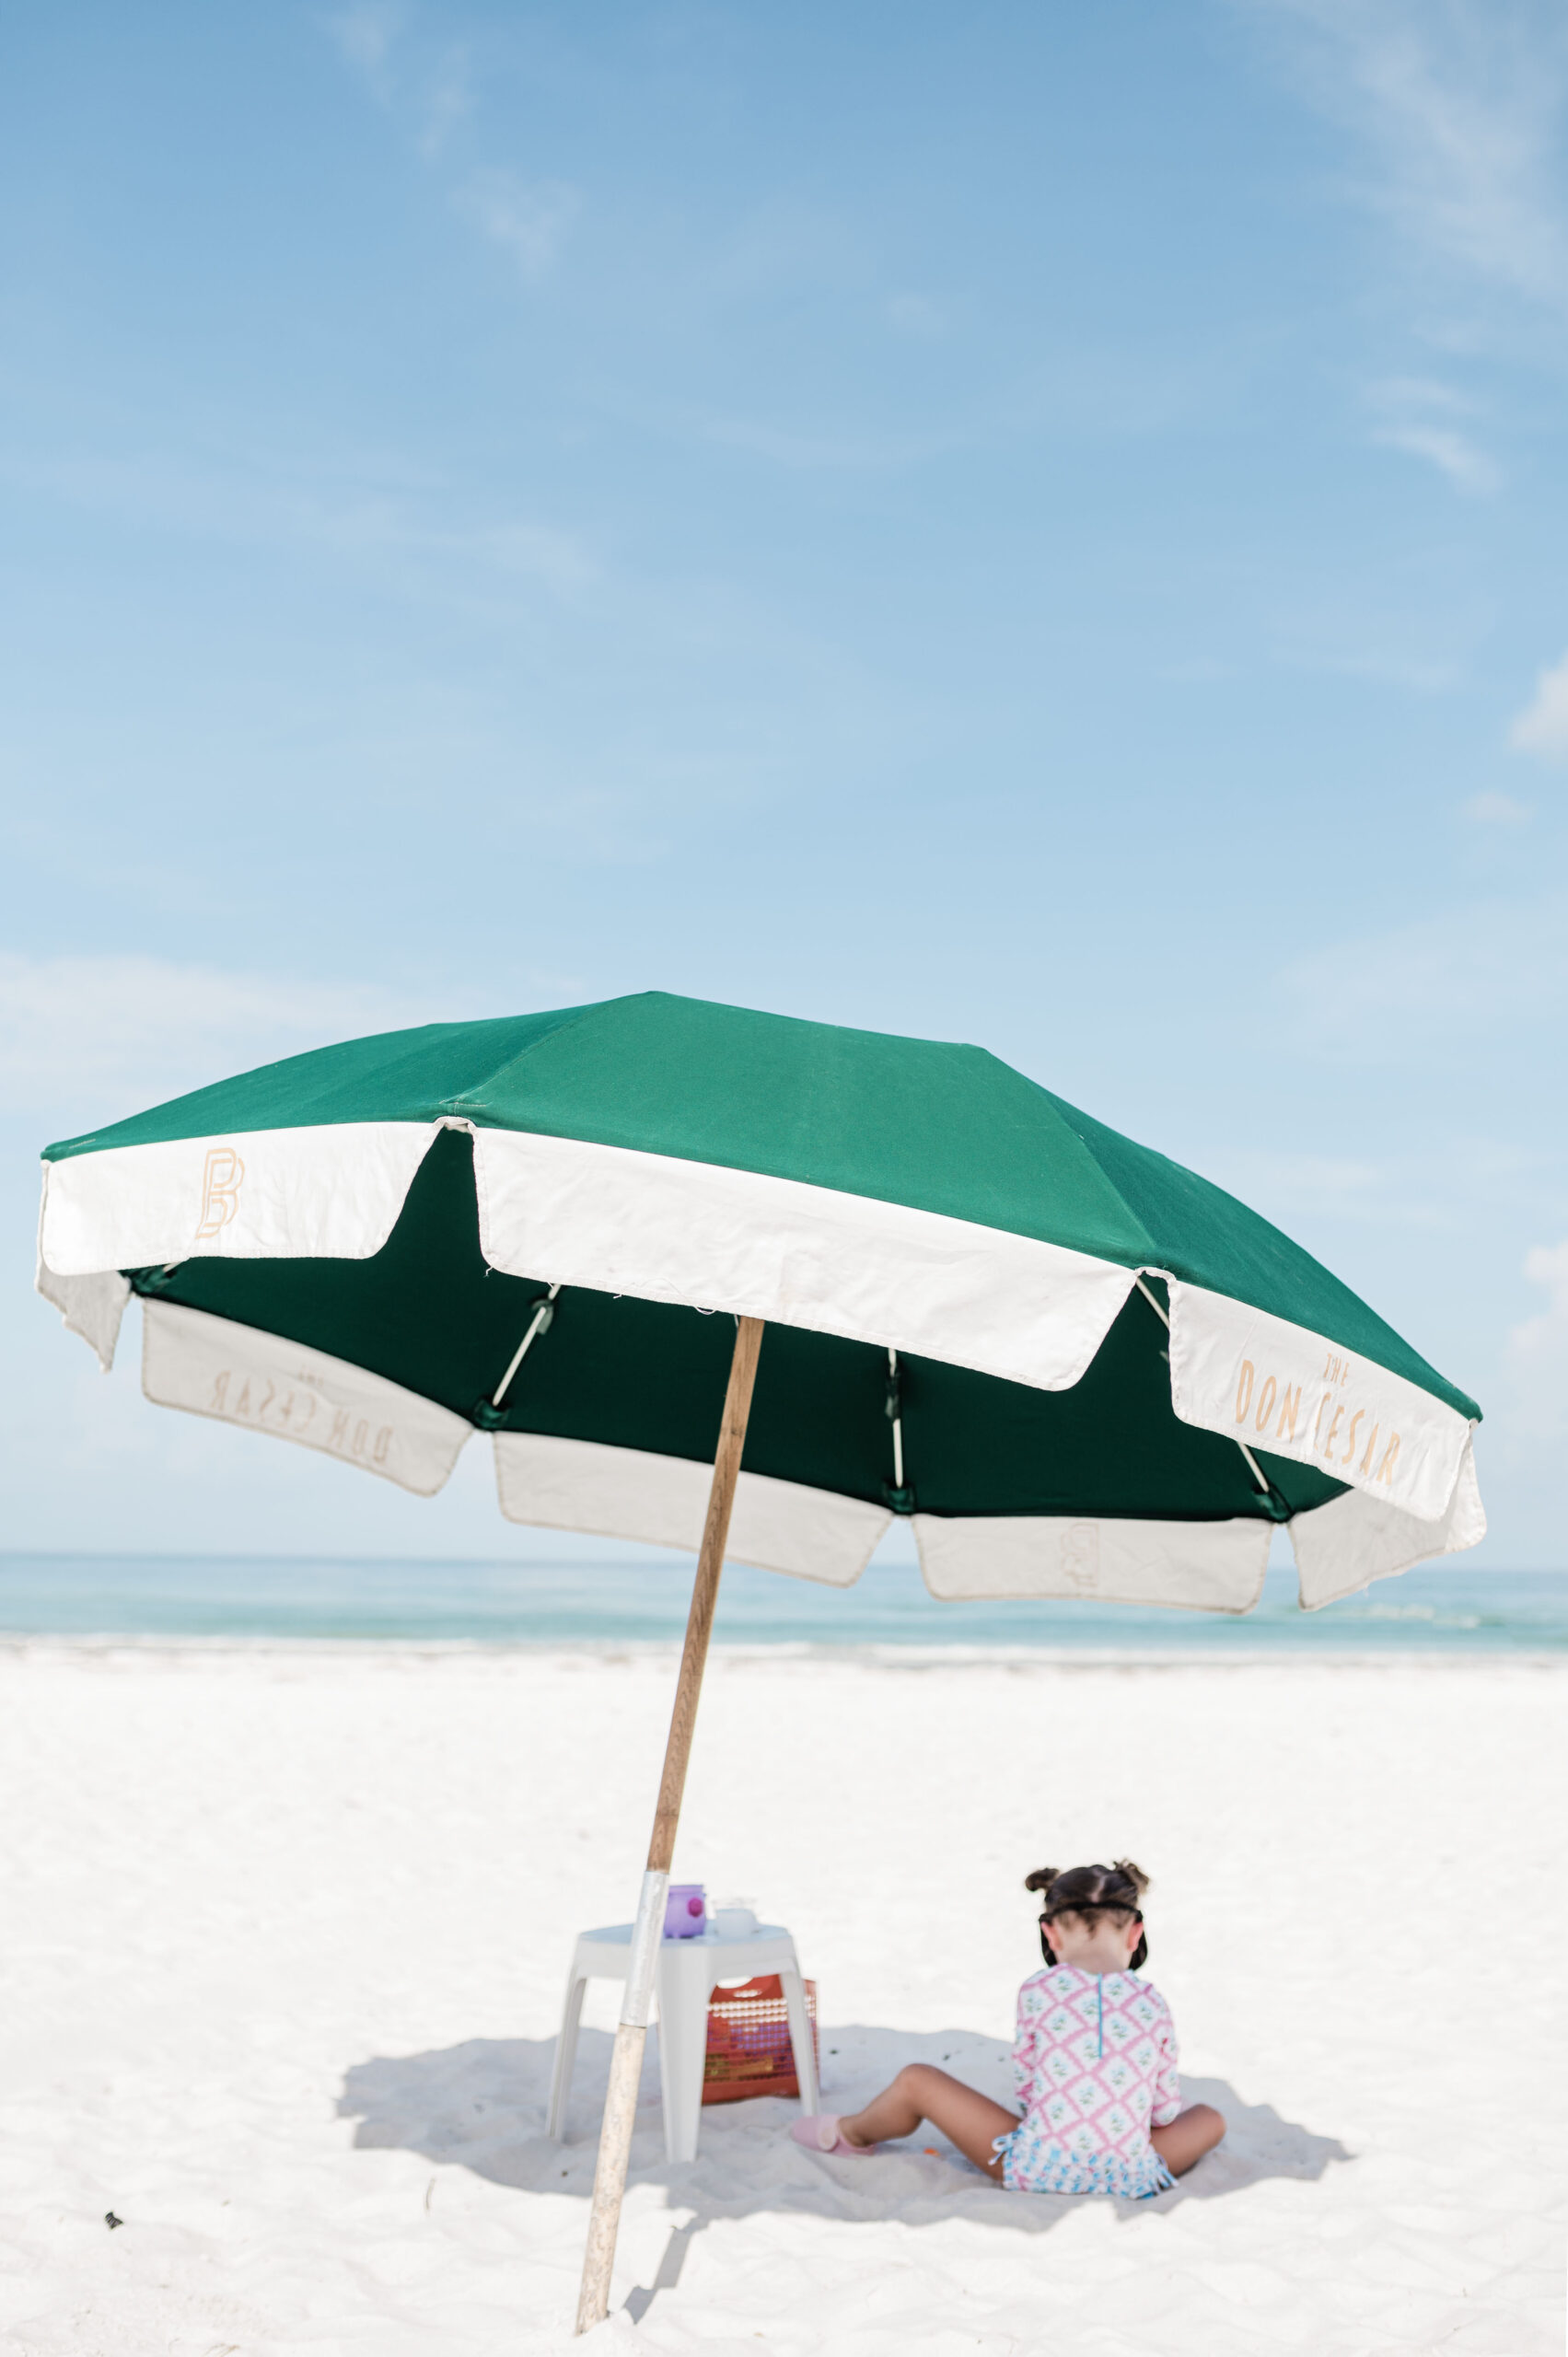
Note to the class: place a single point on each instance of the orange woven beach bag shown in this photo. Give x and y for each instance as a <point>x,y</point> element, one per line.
<point>749,2048</point>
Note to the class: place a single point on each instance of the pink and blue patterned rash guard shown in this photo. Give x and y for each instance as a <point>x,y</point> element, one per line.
<point>1094,2064</point>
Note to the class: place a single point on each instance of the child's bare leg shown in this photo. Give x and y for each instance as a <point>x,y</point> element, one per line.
<point>1189,2135</point>
<point>923,2092</point>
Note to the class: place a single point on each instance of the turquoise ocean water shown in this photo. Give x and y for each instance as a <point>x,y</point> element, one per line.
<point>1451,1611</point>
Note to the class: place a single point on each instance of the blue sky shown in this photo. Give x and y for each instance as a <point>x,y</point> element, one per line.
<point>1029,524</point>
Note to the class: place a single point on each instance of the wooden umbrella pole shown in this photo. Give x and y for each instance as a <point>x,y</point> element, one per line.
<point>626,2062</point>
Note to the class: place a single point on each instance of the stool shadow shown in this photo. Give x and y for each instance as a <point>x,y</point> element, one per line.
<point>482,2107</point>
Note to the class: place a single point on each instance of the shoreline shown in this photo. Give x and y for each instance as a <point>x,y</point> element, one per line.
<point>609,1652</point>
<point>601,1611</point>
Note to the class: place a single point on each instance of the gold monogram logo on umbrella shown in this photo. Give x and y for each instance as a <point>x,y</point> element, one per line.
<point>1080,1556</point>
<point>221,1181</point>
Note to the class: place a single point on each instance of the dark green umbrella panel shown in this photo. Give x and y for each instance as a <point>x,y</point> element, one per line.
<point>1078,1368</point>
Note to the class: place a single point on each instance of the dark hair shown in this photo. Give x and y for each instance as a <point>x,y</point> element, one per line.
<point>1090,1892</point>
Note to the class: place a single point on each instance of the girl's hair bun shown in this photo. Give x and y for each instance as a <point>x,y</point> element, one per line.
<point>1089,1893</point>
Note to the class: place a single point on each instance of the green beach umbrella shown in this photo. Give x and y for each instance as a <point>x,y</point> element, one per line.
<point>1075,1367</point>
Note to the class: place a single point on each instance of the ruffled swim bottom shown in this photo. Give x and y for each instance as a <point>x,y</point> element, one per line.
<point>1035,2163</point>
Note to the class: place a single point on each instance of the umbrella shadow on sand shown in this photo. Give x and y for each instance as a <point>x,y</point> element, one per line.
<point>482,2107</point>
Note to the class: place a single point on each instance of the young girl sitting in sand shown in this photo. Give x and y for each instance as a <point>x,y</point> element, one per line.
<point>1093,2062</point>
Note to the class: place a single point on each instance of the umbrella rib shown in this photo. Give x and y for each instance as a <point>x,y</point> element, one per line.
<point>1261,1478</point>
<point>895,1412</point>
<point>543,1312</point>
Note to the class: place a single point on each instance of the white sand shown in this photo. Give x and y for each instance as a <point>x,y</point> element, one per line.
<point>284,1931</point>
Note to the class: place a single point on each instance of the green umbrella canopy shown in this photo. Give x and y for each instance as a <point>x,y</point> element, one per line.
<point>1078,1367</point>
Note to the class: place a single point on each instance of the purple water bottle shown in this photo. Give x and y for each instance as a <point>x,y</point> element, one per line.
<point>685,1912</point>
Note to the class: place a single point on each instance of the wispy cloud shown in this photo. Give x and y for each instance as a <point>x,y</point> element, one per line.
<point>917,316</point>
<point>1392,649</point>
<point>1497,810</point>
<point>1459,112</point>
<point>426,89</point>
<point>1196,671</point>
<point>1463,975</point>
<point>1538,1348</point>
<point>364,35</point>
<point>358,512</point>
<point>445,102</point>
<point>90,1037</point>
<point>1287,1186</point>
<point>799,448</point>
<point>528,218</point>
<point>1542,727</point>
<point>103,1034</point>
<point>1423,418</point>
<point>1455,456</point>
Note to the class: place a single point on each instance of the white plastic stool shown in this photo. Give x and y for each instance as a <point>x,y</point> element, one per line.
<point>684,1980</point>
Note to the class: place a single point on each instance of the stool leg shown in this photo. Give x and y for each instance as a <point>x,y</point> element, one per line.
<point>565,2055</point>
<point>794,1990</point>
<point>683,1992</point>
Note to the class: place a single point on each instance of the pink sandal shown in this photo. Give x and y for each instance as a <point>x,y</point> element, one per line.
<point>819,2133</point>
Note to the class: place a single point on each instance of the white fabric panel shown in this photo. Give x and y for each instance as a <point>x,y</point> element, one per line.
<point>331,1192</point>
<point>631,1493</point>
<point>1281,1388</point>
<point>91,1306</point>
<point>670,1230</point>
<point>213,1367</point>
<point>1345,1545</point>
<point>607,1218</point>
<point>1201,1566</point>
